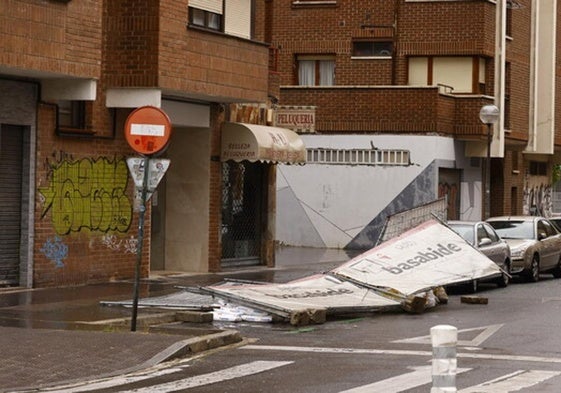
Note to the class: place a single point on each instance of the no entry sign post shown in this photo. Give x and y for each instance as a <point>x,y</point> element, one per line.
<point>147,131</point>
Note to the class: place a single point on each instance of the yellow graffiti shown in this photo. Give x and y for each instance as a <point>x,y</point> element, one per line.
<point>88,194</point>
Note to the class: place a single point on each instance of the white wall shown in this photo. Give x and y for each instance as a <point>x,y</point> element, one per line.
<point>328,205</point>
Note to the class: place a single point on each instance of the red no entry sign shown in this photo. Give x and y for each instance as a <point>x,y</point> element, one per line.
<point>147,130</point>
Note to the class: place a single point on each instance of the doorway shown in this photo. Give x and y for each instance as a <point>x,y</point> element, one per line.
<point>243,199</point>
<point>449,187</point>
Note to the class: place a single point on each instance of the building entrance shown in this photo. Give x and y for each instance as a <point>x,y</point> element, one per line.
<point>243,200</point>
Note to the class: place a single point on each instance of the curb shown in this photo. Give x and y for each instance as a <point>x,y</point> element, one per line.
<point>194,345</point>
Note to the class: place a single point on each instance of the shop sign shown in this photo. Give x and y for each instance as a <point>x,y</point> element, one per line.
<point>300,119</point>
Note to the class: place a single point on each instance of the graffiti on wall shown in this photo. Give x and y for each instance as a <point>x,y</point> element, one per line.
<point>87,194</point>
<point>55,250</point>
<point>538,199</point>
<point>129,246</point>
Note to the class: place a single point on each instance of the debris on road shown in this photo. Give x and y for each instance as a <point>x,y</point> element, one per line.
<point>408,272</point>
<point>474,300</point>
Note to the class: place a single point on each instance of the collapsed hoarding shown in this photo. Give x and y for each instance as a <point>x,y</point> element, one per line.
<point>317,292</point>
<point>426,257</point>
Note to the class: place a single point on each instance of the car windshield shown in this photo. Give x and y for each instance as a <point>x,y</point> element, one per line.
<point>514,229</point>
<point>465,231</point>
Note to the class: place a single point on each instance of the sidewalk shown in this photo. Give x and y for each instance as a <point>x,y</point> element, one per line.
<point>42,345</point>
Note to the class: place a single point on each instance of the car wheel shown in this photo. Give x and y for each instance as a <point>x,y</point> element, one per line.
<point>533,274</point>
<point>504,279</point>
<point>557,271</point>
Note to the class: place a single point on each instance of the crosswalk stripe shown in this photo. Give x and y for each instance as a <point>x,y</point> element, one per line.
<point>465,355</point>
<point>110,382</point>
<point>512,382</point>
<point>206,379</point>
<point>419,376</point>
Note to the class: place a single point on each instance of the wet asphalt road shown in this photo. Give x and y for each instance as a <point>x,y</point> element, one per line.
<point>512,341</point>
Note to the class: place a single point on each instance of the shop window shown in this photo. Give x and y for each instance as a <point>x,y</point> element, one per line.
<point>71,115</point>
<point>316,71</point>
<point>372,49</point>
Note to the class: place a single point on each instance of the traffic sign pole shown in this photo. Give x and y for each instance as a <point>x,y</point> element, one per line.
<point>147,131</point>
<point>142,212</point>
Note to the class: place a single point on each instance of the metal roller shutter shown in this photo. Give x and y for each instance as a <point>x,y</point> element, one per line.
<point>11,155</point>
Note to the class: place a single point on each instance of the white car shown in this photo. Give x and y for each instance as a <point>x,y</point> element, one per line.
<point>535,245</point>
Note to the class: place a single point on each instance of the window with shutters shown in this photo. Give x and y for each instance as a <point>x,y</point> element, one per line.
<point>232,17</point>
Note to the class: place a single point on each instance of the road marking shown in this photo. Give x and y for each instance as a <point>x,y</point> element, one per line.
<point>550,299</point>
<point>487,331</point>
<point>419,376</point>
<point>511,358</point>
<point>207,379</point>
<point>512,382</point>
<point>109,383</point>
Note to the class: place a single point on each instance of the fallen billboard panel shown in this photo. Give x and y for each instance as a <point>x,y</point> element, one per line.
<point>407,272</point>
<point>318,292</point>
<point>425,257</point>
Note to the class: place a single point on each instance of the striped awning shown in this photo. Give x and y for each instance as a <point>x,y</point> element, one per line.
<point>253,142</point>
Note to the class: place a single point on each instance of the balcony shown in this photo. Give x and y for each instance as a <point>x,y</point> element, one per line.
<point>391,109</point>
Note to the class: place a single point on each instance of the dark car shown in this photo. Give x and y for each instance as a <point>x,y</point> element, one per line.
<point>535,245</point>
<point>484,238</point>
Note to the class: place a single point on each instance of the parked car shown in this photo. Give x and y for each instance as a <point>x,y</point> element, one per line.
<point>483,237</point>
<point>556,221</point>
<point>535,245</point>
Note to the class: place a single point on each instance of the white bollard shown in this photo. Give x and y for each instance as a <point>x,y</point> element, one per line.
<point>444,362</point>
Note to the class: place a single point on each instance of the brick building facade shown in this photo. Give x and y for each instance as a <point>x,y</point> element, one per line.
<point>412,75</point>
<point>394,88</point>
<point>70,74</point>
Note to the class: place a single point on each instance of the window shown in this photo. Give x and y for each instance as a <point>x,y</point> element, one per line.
<point>491,234</point>
<point>458,74</point>
<point>316,71</point>
<point>538,168</point>
<point>372,49</point>
<point>314,3</point>
<point>232,17</point>
<point>204,18</point>
<point>71,115</point>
